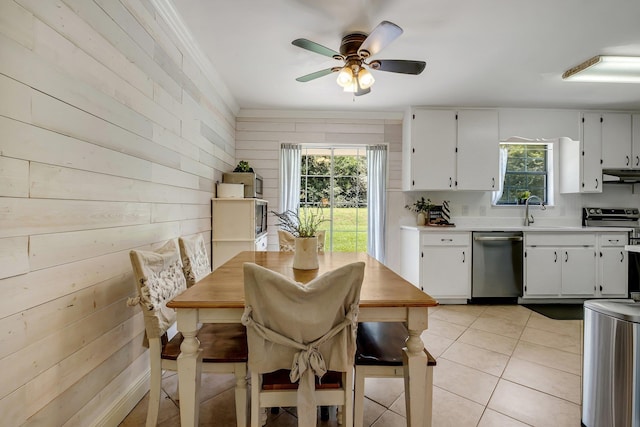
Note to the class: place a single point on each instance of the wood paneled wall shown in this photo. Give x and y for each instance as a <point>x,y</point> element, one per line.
<point>260,133</point>
<point>111,138</point>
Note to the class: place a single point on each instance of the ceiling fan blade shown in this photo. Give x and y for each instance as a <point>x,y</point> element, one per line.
<point>317,74</point>
<point>398,66</point>
<point>315,47</point>
<point>380,37</point>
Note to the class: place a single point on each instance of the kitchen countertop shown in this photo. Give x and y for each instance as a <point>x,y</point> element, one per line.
<point>632,248</point>
<point>530,228</point>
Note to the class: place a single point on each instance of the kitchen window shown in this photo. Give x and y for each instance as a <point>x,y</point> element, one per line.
<point>525,168</point>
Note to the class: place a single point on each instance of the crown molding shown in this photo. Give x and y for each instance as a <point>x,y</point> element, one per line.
<point>168,12</point>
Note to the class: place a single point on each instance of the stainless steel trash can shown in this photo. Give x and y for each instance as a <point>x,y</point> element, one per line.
<point>611,367</point>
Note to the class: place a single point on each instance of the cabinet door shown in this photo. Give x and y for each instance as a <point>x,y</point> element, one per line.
<point>616,140</point>
<point>478,147</point>
<point>635,141</point>
<point>578,271</point>
<point>433,151</point>
<point>591,167</point>
<point>613,279</point>
<point>446,271</point>
<point>543,272</point>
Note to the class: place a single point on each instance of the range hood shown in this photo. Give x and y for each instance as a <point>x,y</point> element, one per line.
<point>621,176</point>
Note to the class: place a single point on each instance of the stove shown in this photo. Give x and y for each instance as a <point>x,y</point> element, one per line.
<point>619,217</point>
<point>614,217</point>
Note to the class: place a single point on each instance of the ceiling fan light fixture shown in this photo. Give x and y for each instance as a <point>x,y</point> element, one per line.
<point>365,78</point>
<point>345,77</point>
<point>606,69</point>
<point>352,87</point>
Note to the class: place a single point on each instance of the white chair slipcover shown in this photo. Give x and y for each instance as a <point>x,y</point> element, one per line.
<point>308,329</point>
<point>195,261</point>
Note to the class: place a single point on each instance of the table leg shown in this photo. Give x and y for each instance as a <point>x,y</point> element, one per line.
<point>417,382</point>
<point>189,368</point>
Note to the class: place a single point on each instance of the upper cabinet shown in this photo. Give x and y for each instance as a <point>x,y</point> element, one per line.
<point>617,152</point>
<point>581,161</point>
<point>450,150</point>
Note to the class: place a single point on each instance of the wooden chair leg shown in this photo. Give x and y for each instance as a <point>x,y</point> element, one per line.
<point>358,397</point>
<point>255,400</point>
<point>241,395</point>
<point>155,383</point>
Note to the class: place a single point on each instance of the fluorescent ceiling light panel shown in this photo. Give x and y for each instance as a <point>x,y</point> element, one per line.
<point>606,69</point>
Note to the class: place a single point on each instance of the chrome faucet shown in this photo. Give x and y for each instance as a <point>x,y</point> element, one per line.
<point>528,219</point>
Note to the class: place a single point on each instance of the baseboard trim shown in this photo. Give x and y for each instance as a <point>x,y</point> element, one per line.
<point>121,406</point>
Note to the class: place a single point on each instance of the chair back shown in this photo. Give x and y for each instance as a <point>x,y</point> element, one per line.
<point>195,260</point>
<point>321,236</point>
<point>159,278</point>
<point>308,329</point>
<point>287,241</point>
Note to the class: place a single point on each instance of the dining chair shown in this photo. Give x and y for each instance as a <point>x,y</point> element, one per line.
<point>301,340</point>
<point>379,355</point>
<point>195,261</point>
<point>159,279</point>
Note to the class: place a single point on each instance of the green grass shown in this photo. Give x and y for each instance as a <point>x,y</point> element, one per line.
<point>347,229</point>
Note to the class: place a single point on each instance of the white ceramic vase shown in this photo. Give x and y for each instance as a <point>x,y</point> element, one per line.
<point>305,256</point>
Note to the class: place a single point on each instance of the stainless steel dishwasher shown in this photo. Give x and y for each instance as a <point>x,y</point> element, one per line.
<point>496,267</point>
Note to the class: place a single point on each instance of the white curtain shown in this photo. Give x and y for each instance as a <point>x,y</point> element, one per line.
<point>504,155</point>
<point>376,199</point>
<point>290,162</point>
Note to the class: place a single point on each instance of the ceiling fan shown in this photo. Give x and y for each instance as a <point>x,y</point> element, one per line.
<point>356,50</point>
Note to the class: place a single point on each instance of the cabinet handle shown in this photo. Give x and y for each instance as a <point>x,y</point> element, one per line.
<point>464,257</point>
<point>600,254</point>
<point>446,240</point>
<point>493,183</point>
<point>621,256</point>
<point>637,160</point>
<point>555,254</point>
<point>596,182</point>
<point>627,160</point>
<point>450,182</point>
<point>600,288</point>
<point>566,256</point>
<point>614,240</point>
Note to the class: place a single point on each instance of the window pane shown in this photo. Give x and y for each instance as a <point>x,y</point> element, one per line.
<point>526,170</point>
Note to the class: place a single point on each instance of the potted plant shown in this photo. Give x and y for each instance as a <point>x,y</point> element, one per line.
<point>421,207</point>
<point>243,166</point>
<point>303,225</point>
<point>523,196</point>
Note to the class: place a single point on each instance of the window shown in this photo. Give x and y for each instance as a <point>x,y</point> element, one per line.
<point>335,180</point>
<point>526,172</point>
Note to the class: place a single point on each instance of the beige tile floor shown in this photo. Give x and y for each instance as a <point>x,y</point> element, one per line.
<point>497,366</point>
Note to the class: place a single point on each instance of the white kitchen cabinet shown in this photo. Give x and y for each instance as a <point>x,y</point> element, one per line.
<point>431,142</point>
<point>450,150</point>
<point>581,161</point>
<point>560,265</point>
<point>445,266</point>
<point>478,150</point>
<point>635,141</point>
<point>612,265</point>
<point>234,229</point>
<point>616,141</point>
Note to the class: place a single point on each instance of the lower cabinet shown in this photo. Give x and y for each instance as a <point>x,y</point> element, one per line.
<point>560,265</point>
<point>445,265</point>
<point>613,265</point>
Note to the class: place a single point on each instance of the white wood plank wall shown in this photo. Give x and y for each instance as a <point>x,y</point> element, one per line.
<point>259,135</point>
<point>111,138</point>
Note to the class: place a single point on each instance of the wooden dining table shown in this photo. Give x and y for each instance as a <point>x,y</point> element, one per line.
<point>385,297</point>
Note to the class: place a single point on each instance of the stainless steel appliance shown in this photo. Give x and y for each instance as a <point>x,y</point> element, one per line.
<point>619,217</point>
<point>253,183</point>
<point>611,367</point>
<point>496,267</point>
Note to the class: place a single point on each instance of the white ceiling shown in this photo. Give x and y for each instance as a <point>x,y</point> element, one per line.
<point>479,53</point>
